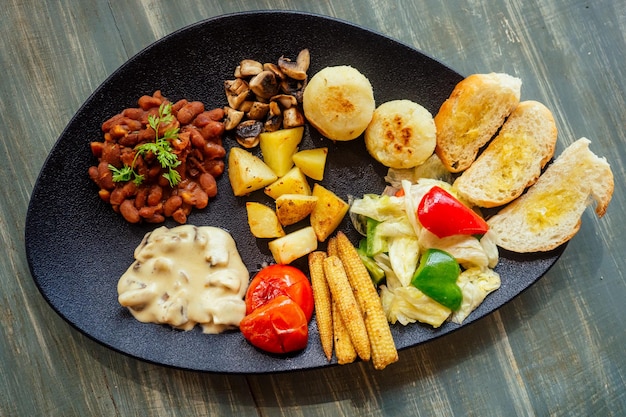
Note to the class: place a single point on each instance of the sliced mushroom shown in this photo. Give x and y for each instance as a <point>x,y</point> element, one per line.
<point>237,91</point>
<point>296,70</point>
<point>247,133</point>
<point>232,118</point>
<point>274,118</point>
<point>246,106</point>
<point>250,67</point>
<point>292,117</point>
<point>285,100</point>
<point>264,85</point>
<point>274,68</point>
<point>258,111</point>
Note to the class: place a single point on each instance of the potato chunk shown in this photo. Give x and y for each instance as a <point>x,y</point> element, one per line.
<point>328,212</point>
<point>293,182</point>
<point>247,172</point>
<point>291,208</point>
<point>278,148</point>
<point>312,162</point>
<point>294,245</point>
<point>263,221</point>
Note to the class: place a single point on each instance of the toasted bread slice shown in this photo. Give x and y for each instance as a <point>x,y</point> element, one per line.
<point>472,114</point>
<point>549,214</point>
<point>513,160</point>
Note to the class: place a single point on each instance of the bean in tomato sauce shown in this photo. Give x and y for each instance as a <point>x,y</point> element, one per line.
<point>192,136</point>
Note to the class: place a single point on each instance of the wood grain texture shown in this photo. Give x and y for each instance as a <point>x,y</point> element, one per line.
<point>555,350</point>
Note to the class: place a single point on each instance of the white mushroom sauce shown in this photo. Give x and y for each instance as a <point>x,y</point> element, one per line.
<point>185,276</point>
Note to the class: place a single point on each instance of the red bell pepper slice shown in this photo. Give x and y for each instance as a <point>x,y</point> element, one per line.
<point>442,214</point>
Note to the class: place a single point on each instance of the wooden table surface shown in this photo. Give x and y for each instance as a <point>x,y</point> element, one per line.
<point>557,349</point>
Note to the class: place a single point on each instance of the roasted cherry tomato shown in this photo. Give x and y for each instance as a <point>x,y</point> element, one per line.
<point>278,326</point>
<point>276,280</point>
<point>442,214</point>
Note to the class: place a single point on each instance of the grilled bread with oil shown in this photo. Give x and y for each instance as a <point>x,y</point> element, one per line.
<point>549,213</point>
<point>472,114</point>
<point>513,160</point>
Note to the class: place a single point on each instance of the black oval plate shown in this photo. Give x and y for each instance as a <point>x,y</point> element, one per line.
<point>77,247</point>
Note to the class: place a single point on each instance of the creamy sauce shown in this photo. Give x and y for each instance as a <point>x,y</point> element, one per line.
<point>185,276</point>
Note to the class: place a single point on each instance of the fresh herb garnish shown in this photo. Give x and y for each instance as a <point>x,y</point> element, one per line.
<point>161,148</point>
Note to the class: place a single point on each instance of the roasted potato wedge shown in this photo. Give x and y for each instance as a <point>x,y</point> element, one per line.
<point>294,245</point>
<point>328,212</point>
<point>312,162</point>
<point>291,208</point>
<point>247,172</point>
<point>293,182</point>
<point>263,221</point>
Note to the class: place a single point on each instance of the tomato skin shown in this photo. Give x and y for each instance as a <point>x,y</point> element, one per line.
<point>278,326</point>
<point>442,214</point>
<point>275,280</point>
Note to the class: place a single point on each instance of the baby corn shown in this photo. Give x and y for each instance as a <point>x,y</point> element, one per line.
<point>344,350</point>
<point>348,306</point>
<point>321,297</point>
<point>383,349</point>
<point>331,247</point>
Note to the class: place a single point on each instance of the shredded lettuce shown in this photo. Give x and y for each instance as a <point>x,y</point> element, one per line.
<point>475,285</point>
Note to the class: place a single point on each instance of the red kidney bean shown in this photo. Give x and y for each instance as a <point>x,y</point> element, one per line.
<point>133,113</point>
<point>180,216</point>
<point>208,184</point>
<point>198,146</point>
<point>129,211</point>
<point>213,151</point>
<point>171,205</point>
<point>213,131</point>
<point>155,195</point>
<point>189,111</point>
<point>148,102</point>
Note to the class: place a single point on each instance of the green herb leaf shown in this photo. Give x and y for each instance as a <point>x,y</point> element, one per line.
<point>161,148</point>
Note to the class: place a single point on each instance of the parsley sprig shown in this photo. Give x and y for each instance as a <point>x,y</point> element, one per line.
<point>161,148</point>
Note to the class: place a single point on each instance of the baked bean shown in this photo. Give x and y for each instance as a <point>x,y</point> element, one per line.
<point>130,140</point>
<point>178,105</point>
<point>213,151</point>
<point>108,124</point>
<point>155,195</point>
<point>213,131</point>
<point>96,148</point>
<point>148,102</point>
<point>111,153</point>
<point>105,195</point>
<point>180,216</point>
<point>105,176</point>
<point>150,211</point>
<point>196,138</point>
<point>171,205</point>
<point>129,211</point>
<point>133,113</point>
<point>198,146</point>
<point>208,184</point>
<point>190,110</point>
<point>141,198</point>
<point>214,167</point>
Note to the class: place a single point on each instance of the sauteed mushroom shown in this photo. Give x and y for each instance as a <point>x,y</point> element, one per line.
<point>270,93</point>
<point>296,70</point>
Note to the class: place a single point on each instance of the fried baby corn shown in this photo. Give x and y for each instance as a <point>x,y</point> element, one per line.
<point>322,299</point>
<point>344,350</point>
<point>383,349</point>
<point>348,306</point>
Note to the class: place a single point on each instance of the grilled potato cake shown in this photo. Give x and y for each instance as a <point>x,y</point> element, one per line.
<point>339,102</point>
<point>401,134</point>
